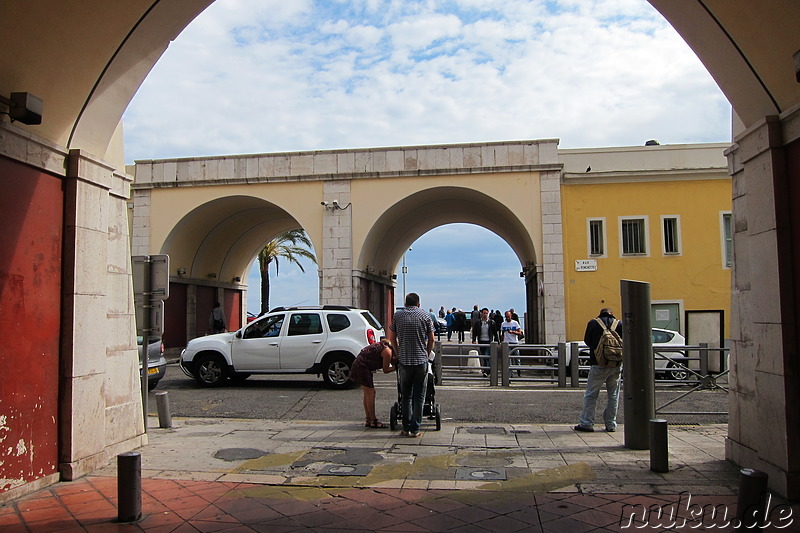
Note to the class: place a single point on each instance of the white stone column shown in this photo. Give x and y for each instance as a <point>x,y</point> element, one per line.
<point>140,240</point>
<point>101,407</point>
<point>336,266</point>
<point>764,414</point>
<point>552,258</point>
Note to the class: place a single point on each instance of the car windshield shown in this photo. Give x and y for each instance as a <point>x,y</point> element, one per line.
<point>660,336</point>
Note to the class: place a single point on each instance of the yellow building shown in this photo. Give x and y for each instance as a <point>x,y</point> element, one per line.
<point>659,214</point>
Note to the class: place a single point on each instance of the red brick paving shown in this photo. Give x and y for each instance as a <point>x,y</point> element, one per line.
<point>89,505</point>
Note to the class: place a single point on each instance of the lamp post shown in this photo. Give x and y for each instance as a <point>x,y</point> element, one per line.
<point>404,271</point>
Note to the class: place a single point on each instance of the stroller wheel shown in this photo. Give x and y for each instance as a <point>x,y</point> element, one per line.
<point>393,417</point>
<point>438,414</point>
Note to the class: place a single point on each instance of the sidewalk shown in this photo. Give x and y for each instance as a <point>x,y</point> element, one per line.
<point>264,475</point>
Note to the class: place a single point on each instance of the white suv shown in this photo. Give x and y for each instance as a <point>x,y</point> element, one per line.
<point>288,340</point>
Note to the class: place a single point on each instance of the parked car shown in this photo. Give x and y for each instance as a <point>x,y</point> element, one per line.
<point>288,340</point>
<point>251,317</point>
<point>156,363</point>
<point>664,368</point>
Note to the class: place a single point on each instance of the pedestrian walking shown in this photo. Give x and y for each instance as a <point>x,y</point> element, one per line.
<point>485,332</point>
<point>461,324</point>
<point>600,375</point>
<point>411,334</point>
<point>450,320</point>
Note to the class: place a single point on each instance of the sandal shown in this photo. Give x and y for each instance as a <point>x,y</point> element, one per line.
<point>375,424</point>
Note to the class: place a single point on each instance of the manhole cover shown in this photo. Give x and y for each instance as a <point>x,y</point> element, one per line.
<point>487,431</point>
<point>239,454</point>
<point>345,470</point>
<point>481,474</point>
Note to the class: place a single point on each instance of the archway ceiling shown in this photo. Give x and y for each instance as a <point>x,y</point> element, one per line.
<point>747,48</point>
<point>223,236</point>
<point>87,59</point>
<point>412,217</point>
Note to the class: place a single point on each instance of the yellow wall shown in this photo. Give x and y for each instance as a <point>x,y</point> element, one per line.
<point>697,277</point>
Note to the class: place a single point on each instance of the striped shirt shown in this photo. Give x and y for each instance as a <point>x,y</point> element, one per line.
<point>412,326</point>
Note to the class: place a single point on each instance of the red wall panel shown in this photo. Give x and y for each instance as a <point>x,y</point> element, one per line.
<point>175,316</point>
<point>233,309</point>
<point>31,221</point>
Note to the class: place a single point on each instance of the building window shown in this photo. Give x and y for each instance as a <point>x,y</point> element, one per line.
<point>633,235</point>
<point>597,237</point>
<point>727,240</point>
<point>671,235</point>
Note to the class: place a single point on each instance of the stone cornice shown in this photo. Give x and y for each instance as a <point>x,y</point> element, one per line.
<point>593,178</point>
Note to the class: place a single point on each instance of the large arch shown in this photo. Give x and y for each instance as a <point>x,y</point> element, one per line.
<point>86,61</point>
<point>211,249</point>
<point>411,217</point>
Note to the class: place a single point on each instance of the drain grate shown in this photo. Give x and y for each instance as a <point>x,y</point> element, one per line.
<point>345,470</point>
<point>481,474</point>
<point>487,430</point>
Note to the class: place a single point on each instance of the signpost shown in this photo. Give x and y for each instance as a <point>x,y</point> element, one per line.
<point>150,289</point>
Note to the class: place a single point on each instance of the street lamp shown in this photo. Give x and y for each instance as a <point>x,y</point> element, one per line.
<point>404,271</point>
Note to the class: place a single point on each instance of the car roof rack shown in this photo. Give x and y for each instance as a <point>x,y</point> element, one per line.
<point>313,307</point>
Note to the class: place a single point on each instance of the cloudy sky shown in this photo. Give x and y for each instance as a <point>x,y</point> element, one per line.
<point>256,76</point>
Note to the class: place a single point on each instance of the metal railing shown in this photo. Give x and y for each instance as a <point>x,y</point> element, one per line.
<point>564,364</point>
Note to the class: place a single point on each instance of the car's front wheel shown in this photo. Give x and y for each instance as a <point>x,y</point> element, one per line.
<point>336,371</point>
<point>211,370</point>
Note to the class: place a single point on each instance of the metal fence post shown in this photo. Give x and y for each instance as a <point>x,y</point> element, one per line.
<point>504,363</point>
<point>562,364</point>
<point>494,356</point>
<point>574,354</point>
<point>637,356</point>
<point>437,362</point>
<point>703,358</point>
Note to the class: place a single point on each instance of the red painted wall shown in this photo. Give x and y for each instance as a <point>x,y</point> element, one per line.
<point>233,309</point>
<point>175,317</point>
<point>31,221</point>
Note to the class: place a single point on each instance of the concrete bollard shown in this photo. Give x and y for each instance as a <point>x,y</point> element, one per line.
<point>129,487</point>
<point>164,416</point>
<point>752,491</point>
<point>659,447</point>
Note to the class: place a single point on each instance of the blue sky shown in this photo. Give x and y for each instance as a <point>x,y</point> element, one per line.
<point>256,76</point>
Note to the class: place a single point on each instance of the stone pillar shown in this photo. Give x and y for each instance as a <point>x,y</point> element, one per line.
<point>765,391</point>
<point>552,258</point>
<point>336,267</point>
<point>100,409</point>
<point>140,240</point>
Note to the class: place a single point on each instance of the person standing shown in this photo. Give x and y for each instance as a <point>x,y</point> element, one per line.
<point>411,334</point>
<point>450,321</point>
<point>512,331</point>
<point>436,328</point>
<point>216,322</point>
<point>442,312</point>
<point>474,317</point>
<point>600,375</point>
<point>485,332</point>
<point>461,324</point>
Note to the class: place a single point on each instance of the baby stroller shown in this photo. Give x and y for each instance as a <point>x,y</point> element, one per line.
<point>430,409</point>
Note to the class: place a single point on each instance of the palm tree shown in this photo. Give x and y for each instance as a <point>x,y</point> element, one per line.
<point>284,246</point>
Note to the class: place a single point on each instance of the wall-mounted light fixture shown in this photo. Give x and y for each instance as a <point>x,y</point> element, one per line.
<point>23,107</point>
<point>212,275</point>
<point>181,271</point>
<point>237,279</point>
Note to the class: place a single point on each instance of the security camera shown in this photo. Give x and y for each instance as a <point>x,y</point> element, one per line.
<point>335,203</point>
<point>324,203</point>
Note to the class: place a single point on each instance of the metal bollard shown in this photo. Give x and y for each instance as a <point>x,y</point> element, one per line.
<point>659,447</point>
<point>752,491</point>
<point>129,486</point>
<point>164,417</point>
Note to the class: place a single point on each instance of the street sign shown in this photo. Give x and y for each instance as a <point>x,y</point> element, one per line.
<point>155,315</point>
<point>158,266</point>
<point>585,265</point>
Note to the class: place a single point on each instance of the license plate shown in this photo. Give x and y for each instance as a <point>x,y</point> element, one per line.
<point>151,371</point>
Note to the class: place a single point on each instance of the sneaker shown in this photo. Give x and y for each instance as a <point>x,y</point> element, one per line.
<point>404,433</point>
<point>585,430</point>
<point>611,430</point>
<point>413,434</point>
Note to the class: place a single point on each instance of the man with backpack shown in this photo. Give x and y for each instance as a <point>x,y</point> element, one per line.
<point>604,338</point>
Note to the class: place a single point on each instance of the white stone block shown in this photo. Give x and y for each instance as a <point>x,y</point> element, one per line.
<point>472,157</point>
<point>252,171</point>
<point>501,155</point>
<point>282,165</point>
<point>426,158</point>
<point>301,165</point>
<point>266,167</point>
<point>516,154</point>
<point>487,156</point>
<point>531,154</point>
<point>395,161</point>
<point>240,168</point>
<point>411,160</point>
<point>225,168</point>
<point>346,163</point>
<point>364,162</point>
<point>325,164</point>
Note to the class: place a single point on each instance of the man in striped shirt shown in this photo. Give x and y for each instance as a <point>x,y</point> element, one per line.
<point>411,334</point>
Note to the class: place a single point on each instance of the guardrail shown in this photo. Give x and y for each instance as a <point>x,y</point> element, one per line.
<point>500,364</point>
